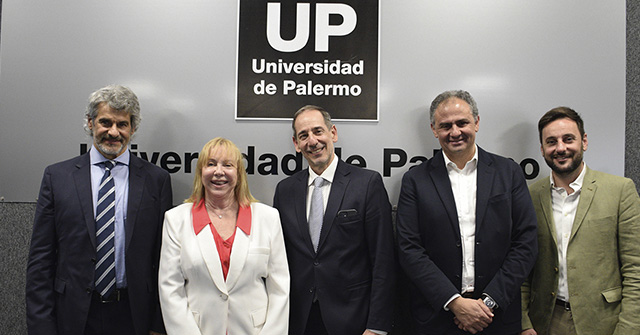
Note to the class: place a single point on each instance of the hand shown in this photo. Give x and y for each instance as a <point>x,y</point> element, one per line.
<point>368,332</point>
<point>471,315</point>
<point>529,331</point>
<point>151,332</point>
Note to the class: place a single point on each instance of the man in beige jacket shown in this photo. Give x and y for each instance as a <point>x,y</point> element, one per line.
<point>587,276</point>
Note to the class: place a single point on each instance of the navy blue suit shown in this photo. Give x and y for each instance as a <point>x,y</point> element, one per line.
<point>352,273</point>
<point>61,265</point>
<point>430,249</point>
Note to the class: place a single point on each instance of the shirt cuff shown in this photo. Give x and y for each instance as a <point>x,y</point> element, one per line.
<point>381,332</point>
<point>446,304</point>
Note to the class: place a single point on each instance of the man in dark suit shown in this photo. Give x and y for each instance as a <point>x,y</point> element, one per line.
<point>466,229</point>
<point>338,236</point>
<point>94,252</point>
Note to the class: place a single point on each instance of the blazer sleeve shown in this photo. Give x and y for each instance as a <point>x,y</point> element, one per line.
<point>416,263</point>
<point>178,319</point>
<point>629,250</point>
<point>277,282</point>
<point>525,294</point>
<point>378,229</point>
<point>41,265</point>
<point>166,202</point>
<point>523,249</point>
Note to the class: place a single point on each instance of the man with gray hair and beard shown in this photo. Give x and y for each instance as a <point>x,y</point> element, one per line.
<point>93,260</point>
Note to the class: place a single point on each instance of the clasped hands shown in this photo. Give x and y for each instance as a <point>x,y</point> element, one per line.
<point>471,315</point>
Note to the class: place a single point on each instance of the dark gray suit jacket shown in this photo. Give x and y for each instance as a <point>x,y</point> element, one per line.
<point>430,244</point>
<point>353,273</point>
<point>61,265</point>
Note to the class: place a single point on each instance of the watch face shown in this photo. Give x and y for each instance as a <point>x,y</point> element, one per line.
<point>489,302</point>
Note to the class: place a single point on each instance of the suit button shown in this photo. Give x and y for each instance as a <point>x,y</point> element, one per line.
<point>316,263</point>
<point>224,297</point>
<point>556,269</point>
<point>311,289</point>
<point>88,290</point>
<point>93,260</point>
<point>553,294</point>
<point>458,244</point>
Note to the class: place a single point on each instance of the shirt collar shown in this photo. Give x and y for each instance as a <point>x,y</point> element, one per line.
<point>472,163</point>
<point>201,218</point>
<point>576,185</point>
<point>327,174</point>
<point>96,157</point>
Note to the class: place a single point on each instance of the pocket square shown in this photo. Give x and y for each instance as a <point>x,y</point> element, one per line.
<point>347,213</point>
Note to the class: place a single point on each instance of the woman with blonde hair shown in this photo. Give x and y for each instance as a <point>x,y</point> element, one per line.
<point>223,267</point>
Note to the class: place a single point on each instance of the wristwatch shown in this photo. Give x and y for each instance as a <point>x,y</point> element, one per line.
<point>489,302</point>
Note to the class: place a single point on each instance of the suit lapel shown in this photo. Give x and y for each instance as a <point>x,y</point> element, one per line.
<point>82,180</point>
<point>544,196</point>
<point>338,188</point>
<point>137,178</point>
<point>440,178</point>
<point>238,258</point>
<point>587,192</point>
<point>485,176</point>
<point>300,200</point>
<point>209,253</point>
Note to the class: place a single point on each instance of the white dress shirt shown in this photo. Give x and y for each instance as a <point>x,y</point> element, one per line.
<point>564,212</point>
<point>328,175</point>
<point>464,184</point>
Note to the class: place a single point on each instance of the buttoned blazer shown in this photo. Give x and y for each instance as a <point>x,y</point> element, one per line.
<point>194,295</point>
<point>352,274</point>
<point>603,259</point>
<point>62,255</point>
<point>430,249</point>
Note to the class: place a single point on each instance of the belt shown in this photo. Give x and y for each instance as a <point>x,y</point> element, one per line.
<point>564,304</point>
<point>115,296</point>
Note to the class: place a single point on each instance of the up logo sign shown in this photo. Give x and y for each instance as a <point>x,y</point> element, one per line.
<point>292,54</point>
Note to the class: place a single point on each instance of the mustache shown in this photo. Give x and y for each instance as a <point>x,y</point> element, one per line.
<point>565,155</point>
<point>108,137</point>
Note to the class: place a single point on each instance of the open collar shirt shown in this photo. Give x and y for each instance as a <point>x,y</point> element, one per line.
<point>564,213</point>
<point>201,219</point>
<point>464,186</point>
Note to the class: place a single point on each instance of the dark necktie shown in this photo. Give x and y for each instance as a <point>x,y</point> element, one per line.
<point>105,274</point>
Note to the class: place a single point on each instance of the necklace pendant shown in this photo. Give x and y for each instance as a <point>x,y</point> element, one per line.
<point>220,217</point>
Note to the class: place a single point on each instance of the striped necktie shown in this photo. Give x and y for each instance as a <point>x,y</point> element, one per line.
<point>105,274</point>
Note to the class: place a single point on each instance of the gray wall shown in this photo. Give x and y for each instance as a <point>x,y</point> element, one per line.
<point>16,218</point>
<point>15,232</point>
<point>632,129</point>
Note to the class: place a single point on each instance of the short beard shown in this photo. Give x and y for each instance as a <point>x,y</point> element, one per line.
<point>575,165</point>
<point>108,150</point>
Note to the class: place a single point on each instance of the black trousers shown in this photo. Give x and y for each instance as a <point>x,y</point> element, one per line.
<point>315,325</point>
<point>110,318</point>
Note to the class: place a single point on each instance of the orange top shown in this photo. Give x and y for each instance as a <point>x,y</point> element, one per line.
<point>201,220</point>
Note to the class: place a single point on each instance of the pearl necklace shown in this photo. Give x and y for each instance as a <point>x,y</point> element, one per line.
<point>214,212</point>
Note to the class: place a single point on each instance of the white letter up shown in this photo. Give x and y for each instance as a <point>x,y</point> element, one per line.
<point>273,28</point>
<point>324,30</point>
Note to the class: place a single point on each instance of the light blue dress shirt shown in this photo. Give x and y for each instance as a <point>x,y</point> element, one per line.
<point>120,173</point>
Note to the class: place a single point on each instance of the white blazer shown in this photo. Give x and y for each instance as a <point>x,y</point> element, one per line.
<point>194,296</point>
